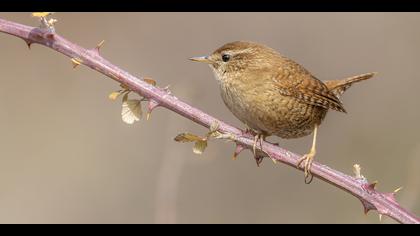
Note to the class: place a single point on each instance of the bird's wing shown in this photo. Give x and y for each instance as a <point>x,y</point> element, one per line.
<point>295,81</point>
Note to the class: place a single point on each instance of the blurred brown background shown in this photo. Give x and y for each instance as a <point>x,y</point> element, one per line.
<point>66,156</point>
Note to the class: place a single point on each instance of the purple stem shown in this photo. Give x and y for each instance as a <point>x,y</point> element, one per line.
<point>371,199</point>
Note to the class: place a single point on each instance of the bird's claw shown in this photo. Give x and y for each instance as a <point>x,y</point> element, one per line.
<point>307,164</point>
<point>258,159</point>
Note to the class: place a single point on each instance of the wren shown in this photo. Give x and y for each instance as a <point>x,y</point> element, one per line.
<point>273,95</point>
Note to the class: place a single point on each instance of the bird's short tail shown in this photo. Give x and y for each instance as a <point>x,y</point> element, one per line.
<point>338,87</point>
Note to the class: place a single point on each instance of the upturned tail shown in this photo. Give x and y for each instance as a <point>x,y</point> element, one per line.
<point>338,87</point>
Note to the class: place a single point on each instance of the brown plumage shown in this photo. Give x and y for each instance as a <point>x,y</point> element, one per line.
<point>272,94</point>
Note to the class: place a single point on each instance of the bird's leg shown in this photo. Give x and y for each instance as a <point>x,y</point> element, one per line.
<point>254,147</point>
<point>258,137</point>
<point>308,158</point>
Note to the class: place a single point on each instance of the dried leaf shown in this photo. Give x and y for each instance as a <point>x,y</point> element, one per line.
<point>200,146</point>
<point>41,14</point>
<point>131,111</point>
<point>125,98</point>
<point>149,81</point>
<point>114,95</point>
<point>187,137</point>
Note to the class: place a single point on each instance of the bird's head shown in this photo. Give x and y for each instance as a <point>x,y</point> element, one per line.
<point>233,59</point>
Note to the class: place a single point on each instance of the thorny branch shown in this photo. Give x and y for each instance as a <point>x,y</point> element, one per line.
<point>358,186</point>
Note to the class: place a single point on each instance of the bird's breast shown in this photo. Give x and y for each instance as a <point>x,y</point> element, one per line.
<point>261,107</point>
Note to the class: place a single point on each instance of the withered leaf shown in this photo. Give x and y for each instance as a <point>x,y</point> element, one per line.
<point>41,14</point>
<point>125,97</point>
<point>187,137</point>
<point>131,111</point>
<point>150,81</point>
<point>114,95</point>
<point>200,146</point>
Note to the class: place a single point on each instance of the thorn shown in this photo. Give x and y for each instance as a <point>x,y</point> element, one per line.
<point>398,189</point>
<point>238,149</point>
<point>274,161</point>
<point>99,45</point>
<point>367,206</point>
<point>152,104</point>
<point>28,43</point>
<point>76,62</point>
<point>370,187</point>
<point>166,89</point>
<point>373,184</point>
<point>380,217</point>
<point>96,49</point>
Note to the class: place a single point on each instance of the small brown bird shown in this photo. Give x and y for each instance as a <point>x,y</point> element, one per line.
<point>274,95</point>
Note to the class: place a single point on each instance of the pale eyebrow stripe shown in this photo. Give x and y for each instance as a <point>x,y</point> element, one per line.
<point>239,52</point>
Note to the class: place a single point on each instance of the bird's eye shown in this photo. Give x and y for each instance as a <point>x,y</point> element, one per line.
<point>225,57</point>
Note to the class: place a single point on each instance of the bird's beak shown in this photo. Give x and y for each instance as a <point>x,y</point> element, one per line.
<point>202,59</point>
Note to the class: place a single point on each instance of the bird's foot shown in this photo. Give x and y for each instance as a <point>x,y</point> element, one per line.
<point>259,137</point>
<point>258,159</point>
<point>249,131</point>
<point>307,160</point>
